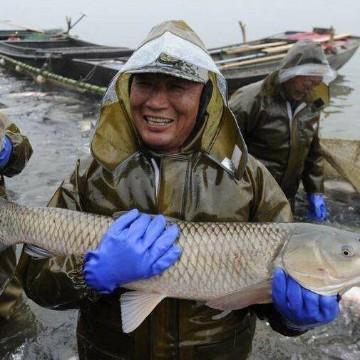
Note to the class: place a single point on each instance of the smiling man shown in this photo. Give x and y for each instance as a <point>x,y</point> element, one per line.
<point>166,120</point>
<point>279,119</point>
<point>166,143</point>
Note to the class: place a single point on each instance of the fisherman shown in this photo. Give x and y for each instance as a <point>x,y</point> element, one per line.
<point>279,119</point>
<point>166,143</point>
<point>14,154</point>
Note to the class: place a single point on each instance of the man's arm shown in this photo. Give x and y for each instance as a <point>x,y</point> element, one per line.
<point>271,205</point>
<point>56,282</point>
<point>134,247</point>
<point>21,149</point>
<point>313,174</point>
<point>294,309</point>
<point>245,108</point>
<point>313,179</point>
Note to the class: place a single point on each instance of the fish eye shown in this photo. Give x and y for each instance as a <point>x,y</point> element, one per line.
<point>347,251</point>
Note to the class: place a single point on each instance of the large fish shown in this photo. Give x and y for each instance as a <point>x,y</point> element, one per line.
<point>226,265</point>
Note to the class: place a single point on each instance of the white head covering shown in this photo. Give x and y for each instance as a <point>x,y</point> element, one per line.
<point>174,49</point>
<point>306,58</point>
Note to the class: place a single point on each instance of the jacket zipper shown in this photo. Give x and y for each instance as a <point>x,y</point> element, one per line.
<point>156,179</point>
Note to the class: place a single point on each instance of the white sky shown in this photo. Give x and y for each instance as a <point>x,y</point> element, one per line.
<point>127,22</point>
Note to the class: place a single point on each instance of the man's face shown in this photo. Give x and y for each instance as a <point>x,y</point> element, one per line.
<point>164,109</point>
<point>299,86</point>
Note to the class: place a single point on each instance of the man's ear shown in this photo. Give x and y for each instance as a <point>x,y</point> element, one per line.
<point>130,83</point>
<point>319,96</point>
<point>204,100</point>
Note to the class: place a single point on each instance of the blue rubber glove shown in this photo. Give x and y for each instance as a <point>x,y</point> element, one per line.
<point>5,152</point>
<point>135,247</point>
<point>317,208</point>
<point>301,309</point>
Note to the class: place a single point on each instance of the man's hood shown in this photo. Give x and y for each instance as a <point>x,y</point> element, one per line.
<point>176,44</point>
<point>306,58</point>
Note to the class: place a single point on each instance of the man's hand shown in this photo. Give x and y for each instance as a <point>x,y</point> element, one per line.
<point>135,247</point>
<point>317,208</point>
<point>301,308</point>
<point>5,152</point>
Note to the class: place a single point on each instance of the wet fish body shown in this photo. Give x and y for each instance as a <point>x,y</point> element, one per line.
<point>226,265</point>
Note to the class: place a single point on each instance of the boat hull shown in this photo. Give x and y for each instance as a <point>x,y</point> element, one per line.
<point>96,64</point>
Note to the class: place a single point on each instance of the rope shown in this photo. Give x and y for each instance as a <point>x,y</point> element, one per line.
<point>77,85</point>
<point>90,74</point>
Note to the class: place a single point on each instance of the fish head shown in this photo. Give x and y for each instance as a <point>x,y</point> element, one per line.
<point>323,259</point>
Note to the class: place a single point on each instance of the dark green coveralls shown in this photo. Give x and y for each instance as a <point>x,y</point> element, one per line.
<point>193,185</point>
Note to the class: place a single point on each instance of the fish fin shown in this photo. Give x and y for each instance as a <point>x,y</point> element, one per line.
<point>259,293</point>
<point>221,315</point>
<point>136,306</point>
<point>117,214</point>
<point>37,252</point>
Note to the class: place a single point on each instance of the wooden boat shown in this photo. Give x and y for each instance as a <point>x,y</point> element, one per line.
<point>11,31</point>
<point>89,67</point>
<point>16,34</point>
<point>55,51</point>
<point>242,64</point>
<point>248,62</point>
<point>49,58</point>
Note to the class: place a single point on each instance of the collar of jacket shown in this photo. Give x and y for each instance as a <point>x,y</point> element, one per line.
<point>272,87</point>
<point>115,138</point>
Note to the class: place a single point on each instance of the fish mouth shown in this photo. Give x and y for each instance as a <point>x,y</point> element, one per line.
<point>158,121</point>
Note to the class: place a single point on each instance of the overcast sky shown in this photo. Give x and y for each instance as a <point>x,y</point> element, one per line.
<point>126,23</point>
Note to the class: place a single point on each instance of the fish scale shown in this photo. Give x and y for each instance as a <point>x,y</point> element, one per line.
<point>195,277</point>
<point>60,231</point>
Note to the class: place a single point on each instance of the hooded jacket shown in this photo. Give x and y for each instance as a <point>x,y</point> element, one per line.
<point>10,290</point>
<point>210,179</point>
<point>285,140</point>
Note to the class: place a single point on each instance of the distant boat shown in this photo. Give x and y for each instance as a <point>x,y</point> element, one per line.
<point>244,63</point>
<point>53,57</point>
<point>87,67</point>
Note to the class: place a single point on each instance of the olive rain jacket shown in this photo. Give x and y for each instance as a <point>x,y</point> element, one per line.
<point>10,290</point>
<point>285,141</point>
<point>210,179</point>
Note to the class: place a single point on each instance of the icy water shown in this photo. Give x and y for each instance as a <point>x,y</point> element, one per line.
<point>59,125</point>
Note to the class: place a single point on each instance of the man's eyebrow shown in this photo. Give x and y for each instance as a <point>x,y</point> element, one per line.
<point>182,81</point>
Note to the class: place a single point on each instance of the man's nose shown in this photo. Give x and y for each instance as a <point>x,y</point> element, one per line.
<point>158,98</point>
<point>315,82</point>
<point>309,85</point>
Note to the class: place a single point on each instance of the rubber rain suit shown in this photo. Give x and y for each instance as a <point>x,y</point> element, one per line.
<point>210,179</point>
<point>285,140</point>
<point>10,289</point>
